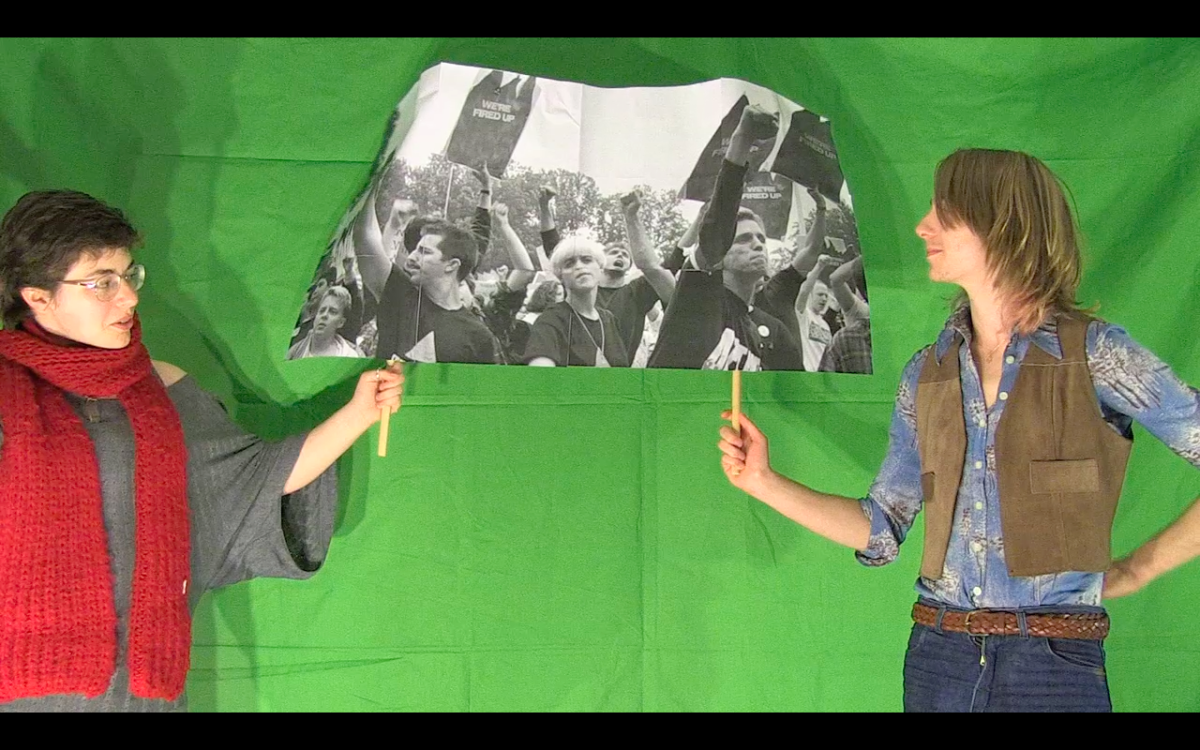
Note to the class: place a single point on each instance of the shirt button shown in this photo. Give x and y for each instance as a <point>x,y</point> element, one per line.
<point>1003,395</point>
<point>1010,359</point>
<point>983,421</point>
<point>975,547</point>
<point>979,464</point>
<point>976,592</point>
<point>978,506</point>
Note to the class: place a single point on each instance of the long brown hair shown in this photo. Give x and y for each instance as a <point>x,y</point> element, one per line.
<point>1020,210</point>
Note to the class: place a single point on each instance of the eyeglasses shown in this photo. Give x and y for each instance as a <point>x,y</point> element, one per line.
<point>105,286</point>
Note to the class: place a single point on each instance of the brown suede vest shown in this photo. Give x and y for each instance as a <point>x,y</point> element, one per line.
<point>1060,466</point>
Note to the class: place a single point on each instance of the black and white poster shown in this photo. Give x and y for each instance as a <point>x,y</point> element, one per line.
<point>516,220</point>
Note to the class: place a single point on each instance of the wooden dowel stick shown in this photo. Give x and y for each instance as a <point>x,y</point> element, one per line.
<point>384,414</point>
<point>736,418</point>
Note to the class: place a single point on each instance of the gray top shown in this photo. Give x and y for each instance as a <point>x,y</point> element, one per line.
<point>242,525</point>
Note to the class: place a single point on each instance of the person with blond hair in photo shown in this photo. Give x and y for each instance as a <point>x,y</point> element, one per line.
<point>633,279</point>
<point>324,340</point>
<point>576,331</point>
<point>1011,432</point>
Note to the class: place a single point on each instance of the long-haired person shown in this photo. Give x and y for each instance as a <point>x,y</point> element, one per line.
<point>1011,432</point>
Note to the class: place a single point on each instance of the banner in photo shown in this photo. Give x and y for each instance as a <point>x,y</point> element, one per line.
<point>808,156</point>
<point>492,120</point>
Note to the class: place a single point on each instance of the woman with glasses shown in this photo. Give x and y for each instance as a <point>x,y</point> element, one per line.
<point>125,490</point>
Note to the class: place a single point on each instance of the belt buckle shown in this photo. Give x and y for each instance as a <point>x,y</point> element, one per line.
<point>967,623</point>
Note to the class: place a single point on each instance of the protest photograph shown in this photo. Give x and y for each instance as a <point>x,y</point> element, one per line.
<point>516,220</point>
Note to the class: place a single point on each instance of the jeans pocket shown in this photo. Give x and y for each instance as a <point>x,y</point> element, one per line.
<point>1077,652</point>
<point>917,637</point>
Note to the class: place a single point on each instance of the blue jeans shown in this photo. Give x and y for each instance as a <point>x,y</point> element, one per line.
<point>957,672</point>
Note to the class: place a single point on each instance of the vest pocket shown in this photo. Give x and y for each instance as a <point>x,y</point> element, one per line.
<point>1073,475</point>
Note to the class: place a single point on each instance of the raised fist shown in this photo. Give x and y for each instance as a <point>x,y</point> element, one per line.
<point>500,211</point>
<point>631,202</point>
<point>486,181</point>
<point>757,123</point>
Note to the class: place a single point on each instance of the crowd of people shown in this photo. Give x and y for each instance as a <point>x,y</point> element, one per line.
<point>407,285</point>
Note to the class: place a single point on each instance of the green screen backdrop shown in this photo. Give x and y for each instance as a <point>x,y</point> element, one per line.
<point>565,540</point>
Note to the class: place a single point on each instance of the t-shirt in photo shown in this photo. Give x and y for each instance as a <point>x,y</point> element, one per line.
<point>815,335</point>
<point>629,305</point>
<point>571,340</point>
<point>709,327</point>
<point>416,329</point>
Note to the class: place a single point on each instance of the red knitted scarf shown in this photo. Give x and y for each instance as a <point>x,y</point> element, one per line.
<point>57,617</point>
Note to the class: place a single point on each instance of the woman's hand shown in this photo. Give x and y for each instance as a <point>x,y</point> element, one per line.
<point>376,390</point>
<point>1121,580</point>
<point>746,460</point>
<point>748,467</point>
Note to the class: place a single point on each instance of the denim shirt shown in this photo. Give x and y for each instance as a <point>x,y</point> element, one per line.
<point>1130,383</point>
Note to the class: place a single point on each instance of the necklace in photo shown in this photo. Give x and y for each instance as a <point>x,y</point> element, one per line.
<point>601,360</point>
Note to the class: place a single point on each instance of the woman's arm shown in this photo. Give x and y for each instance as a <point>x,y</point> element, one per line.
<point>1175,545</point>
<point>747,465</point>
<point>1131,380</point>
<point>376,389</point>
<point>875,526</point>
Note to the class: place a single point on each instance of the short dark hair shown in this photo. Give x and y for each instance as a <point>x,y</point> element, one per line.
<point>744,213</point>
<point>45,233</point>
<point>456,243</point>
<point>413,231</point>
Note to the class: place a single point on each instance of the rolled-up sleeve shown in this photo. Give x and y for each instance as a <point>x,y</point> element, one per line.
<point>895,496</point>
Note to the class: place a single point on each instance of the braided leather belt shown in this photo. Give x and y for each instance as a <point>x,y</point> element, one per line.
<point>1088,626</point>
